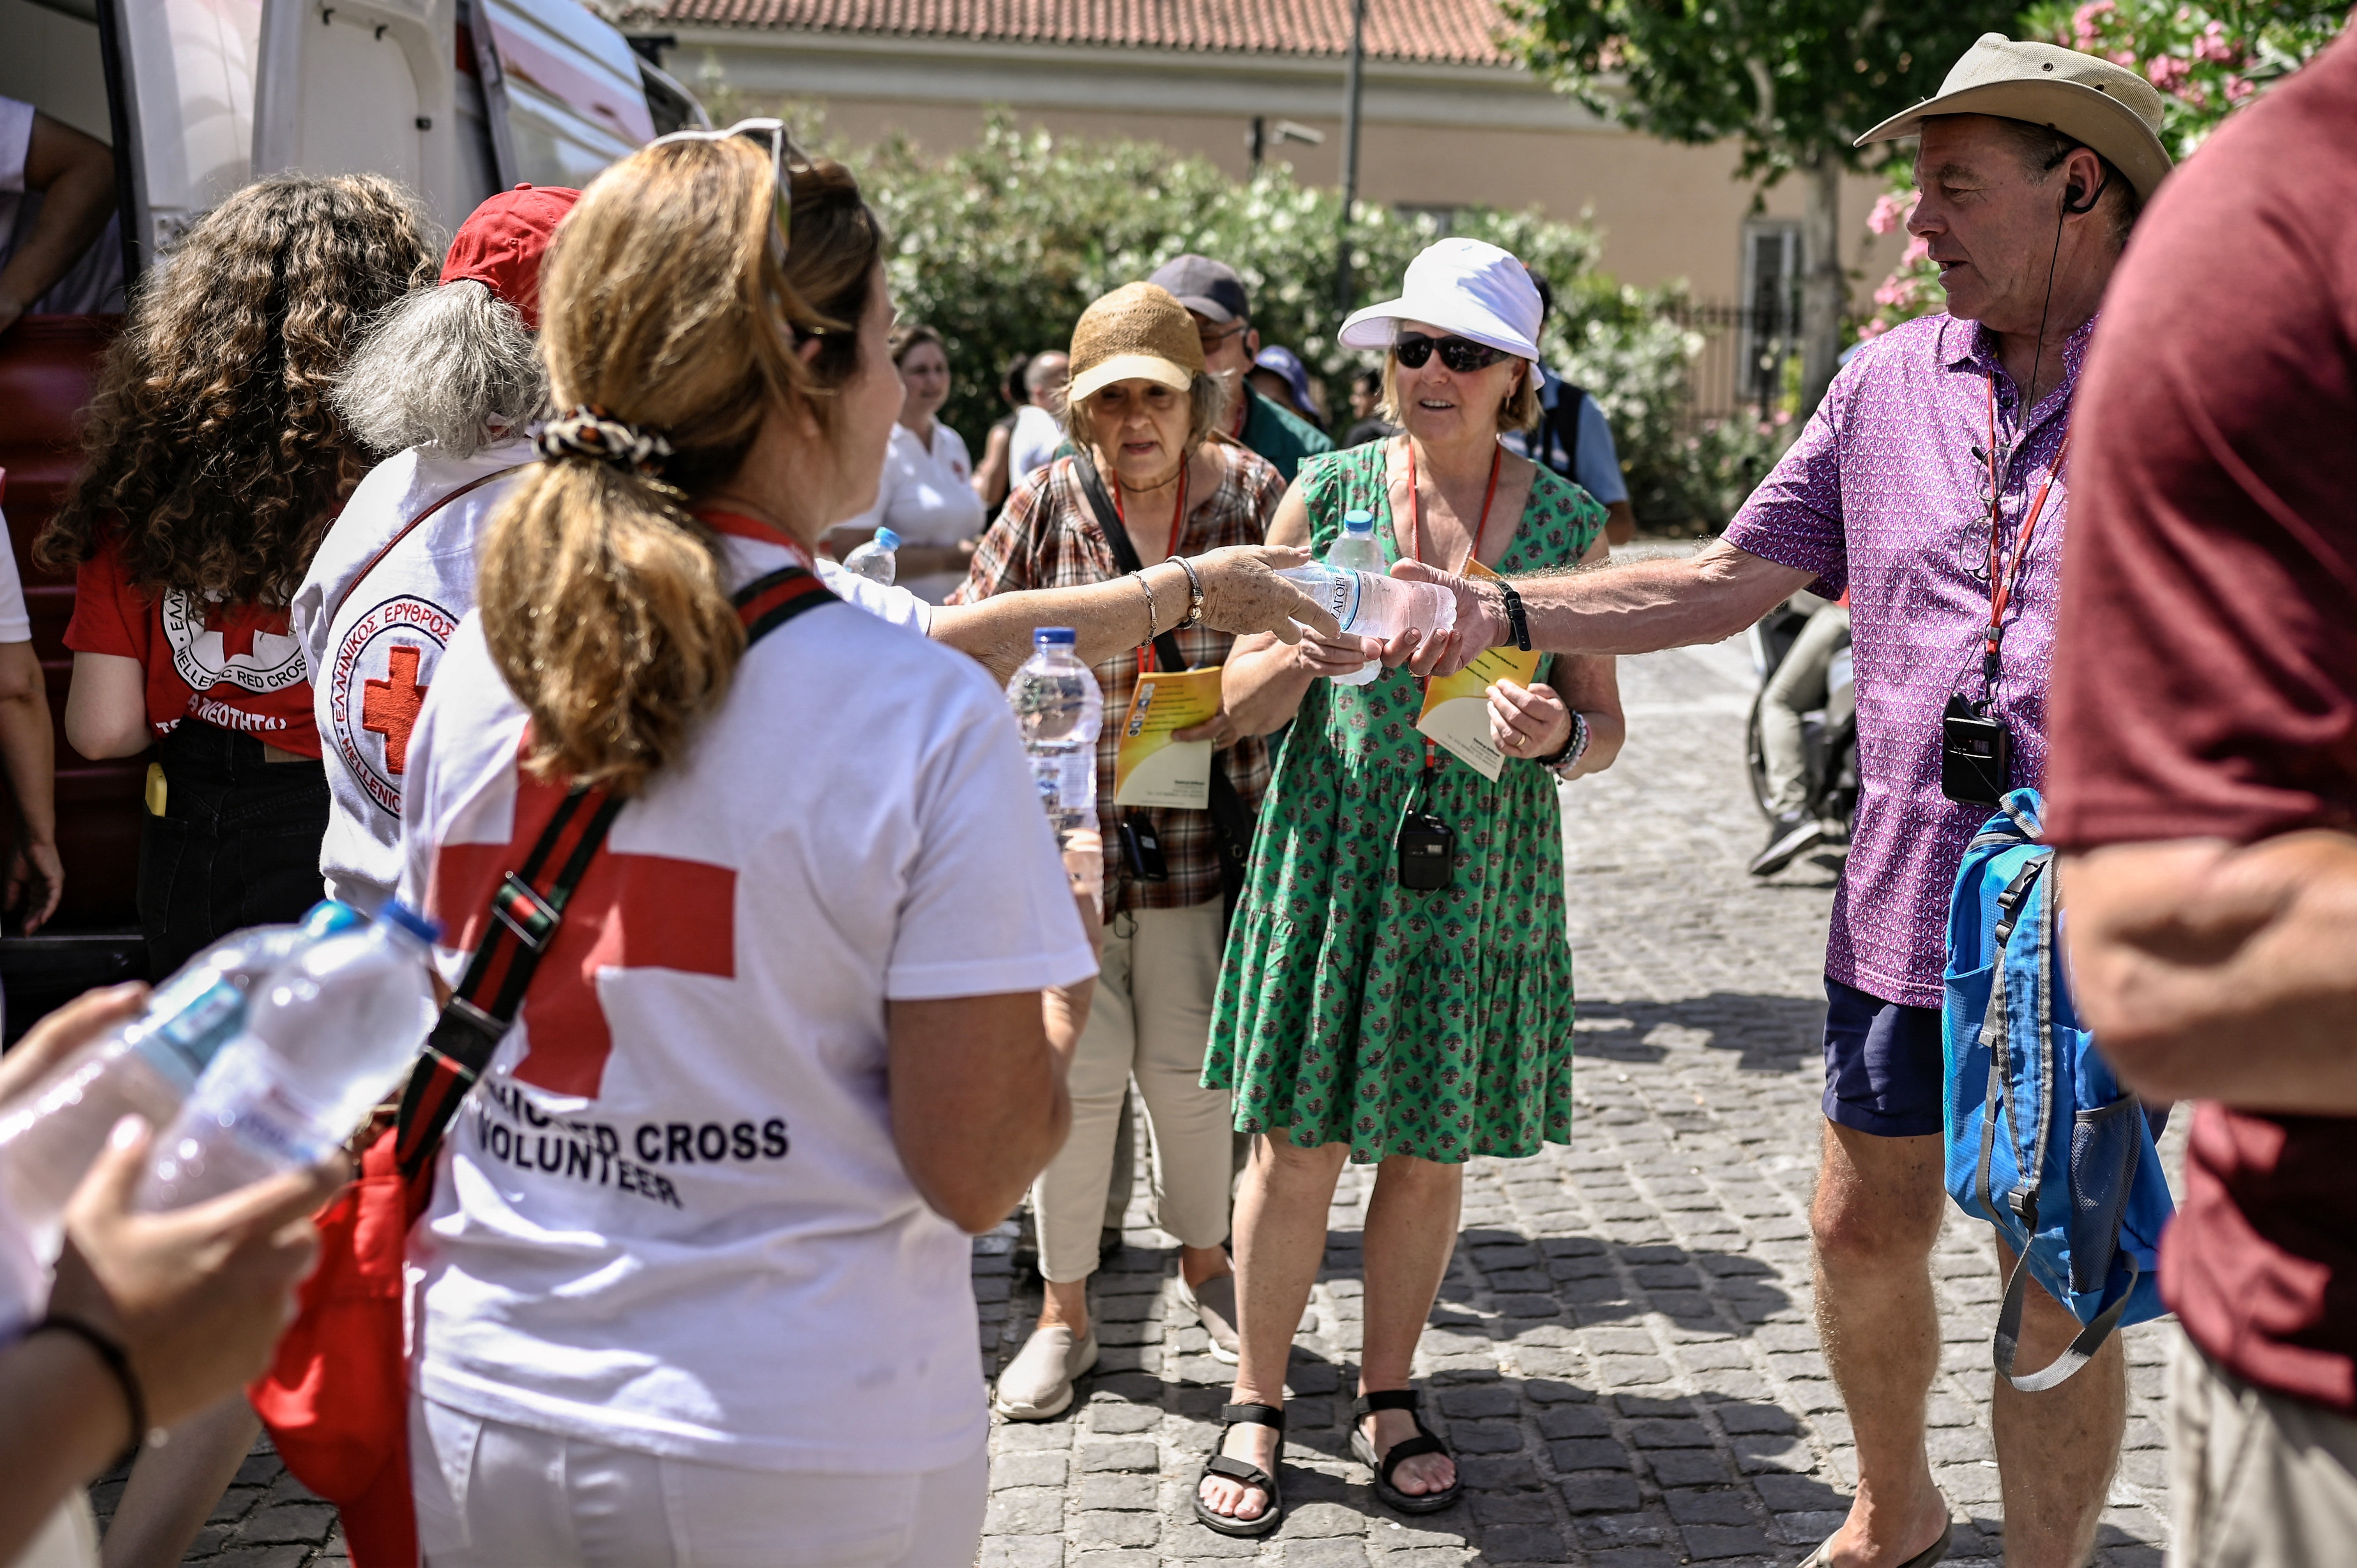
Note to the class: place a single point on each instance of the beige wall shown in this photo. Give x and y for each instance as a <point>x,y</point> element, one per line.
<point>1665,211</point>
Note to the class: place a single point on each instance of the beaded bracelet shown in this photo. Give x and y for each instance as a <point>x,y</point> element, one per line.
<point>1194,591</point>
<point>1564,760</point>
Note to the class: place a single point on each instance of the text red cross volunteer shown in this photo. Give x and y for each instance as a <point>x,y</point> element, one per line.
<point>631,911</point>
<point>390,707</point>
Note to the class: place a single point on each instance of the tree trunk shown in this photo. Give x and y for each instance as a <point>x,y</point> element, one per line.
<point>1823,286</point>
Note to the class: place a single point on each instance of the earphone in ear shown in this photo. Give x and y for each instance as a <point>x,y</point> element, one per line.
<point>2080,202</point>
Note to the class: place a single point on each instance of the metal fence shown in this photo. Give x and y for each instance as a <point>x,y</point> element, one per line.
<point>1745,349</point>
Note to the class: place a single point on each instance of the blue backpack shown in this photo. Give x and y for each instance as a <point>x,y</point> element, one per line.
<point>2042,1142</point>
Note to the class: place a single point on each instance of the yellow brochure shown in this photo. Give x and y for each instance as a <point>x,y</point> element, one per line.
<point>1149,768</point>
<point>1455,713</point>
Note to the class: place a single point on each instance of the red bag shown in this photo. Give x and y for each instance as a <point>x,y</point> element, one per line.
<point>335,1398</point>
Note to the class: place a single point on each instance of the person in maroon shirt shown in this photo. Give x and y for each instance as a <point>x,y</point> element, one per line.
<point>2205,788</point>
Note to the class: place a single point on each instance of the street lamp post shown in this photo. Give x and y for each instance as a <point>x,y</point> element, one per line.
<point>1350,156</point>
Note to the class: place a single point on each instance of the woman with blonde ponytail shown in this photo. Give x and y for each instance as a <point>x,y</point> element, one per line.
<point>693,1283</point>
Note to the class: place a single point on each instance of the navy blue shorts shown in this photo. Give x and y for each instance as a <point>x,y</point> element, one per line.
<point>1884,1071</point>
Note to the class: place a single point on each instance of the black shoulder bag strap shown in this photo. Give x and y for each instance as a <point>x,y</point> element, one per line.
<point>1231,824</point>
<point>1562,425</point>
<point>526,911</point>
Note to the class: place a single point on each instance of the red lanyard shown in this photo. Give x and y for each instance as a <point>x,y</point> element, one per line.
<point>1146,663</point>
<point>743,527</point>
<point>1416,545</point>
<point>2001,583</point>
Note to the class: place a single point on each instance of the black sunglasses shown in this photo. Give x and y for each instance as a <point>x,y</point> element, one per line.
<point>1460,354</point>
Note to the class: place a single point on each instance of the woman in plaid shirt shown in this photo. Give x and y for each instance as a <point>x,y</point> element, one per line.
<point>1142,414</point>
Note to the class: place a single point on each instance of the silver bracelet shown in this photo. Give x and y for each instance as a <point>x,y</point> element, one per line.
<point>1563,761</point>
<point>1194,591</point>
<point>1152,618</point>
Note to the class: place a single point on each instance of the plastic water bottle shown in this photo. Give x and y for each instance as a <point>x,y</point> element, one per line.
<point>1374,603</point>
<point>1355,550</point>
<point>327,1036</point>
<point>145,1069</point>
<point>875,560</point>
<point>1059,709</point>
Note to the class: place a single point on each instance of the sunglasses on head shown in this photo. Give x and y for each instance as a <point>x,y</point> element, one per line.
<point>786,159</point>
<point>1460,354</point>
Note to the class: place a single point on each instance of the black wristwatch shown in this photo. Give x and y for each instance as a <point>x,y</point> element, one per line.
<point>1515,620</point>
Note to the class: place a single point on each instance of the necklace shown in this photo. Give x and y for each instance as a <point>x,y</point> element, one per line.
<point>1415,510</point>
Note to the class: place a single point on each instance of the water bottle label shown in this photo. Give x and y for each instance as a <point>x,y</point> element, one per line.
<point>192,1027</point>
<point>1340,597</point>
<point>245,1096</point>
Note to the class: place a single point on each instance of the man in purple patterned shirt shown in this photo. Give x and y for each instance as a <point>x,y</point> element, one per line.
<point>2033,163</point>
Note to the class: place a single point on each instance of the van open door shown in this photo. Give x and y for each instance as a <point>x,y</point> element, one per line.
<point>565,92</point>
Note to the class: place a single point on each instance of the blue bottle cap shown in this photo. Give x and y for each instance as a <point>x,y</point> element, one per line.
<point>1055,637</point>
<point>1357,522</point>
<point>886,540</point>
<point>396,913</point>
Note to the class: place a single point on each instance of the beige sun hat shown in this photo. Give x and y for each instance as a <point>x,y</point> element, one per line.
<point>1137,332</point>
<point>2089,99</point>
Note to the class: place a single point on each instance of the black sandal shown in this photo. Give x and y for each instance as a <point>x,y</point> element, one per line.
<point>1362,1448</point>
<point>1230,1417</point>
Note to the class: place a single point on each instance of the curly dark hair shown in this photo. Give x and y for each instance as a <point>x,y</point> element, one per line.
<point>213,449</point>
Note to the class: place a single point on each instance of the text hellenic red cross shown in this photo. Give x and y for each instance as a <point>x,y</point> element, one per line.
<point>631,911</point>
<point>389,706</point>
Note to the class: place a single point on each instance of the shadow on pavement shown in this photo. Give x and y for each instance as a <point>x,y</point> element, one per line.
<point>1773,1034</point>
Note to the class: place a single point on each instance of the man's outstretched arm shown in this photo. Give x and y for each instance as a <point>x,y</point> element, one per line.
<point>2210,970</point>
<point>1634,609</point>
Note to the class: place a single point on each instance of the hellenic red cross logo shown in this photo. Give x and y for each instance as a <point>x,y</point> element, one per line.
<point>631,911</point>
<point>390,708</point>
<point>236,626</point>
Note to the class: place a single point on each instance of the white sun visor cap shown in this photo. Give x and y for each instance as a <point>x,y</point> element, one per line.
<point>1466,286</point>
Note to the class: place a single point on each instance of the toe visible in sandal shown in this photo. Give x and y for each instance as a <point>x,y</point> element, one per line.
<point>1362,1448</point>
<point>1244,1471</point>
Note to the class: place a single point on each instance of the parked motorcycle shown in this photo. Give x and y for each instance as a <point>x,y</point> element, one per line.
<point>1828,739</point>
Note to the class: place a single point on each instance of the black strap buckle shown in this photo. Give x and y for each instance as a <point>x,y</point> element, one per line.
<point>532,917</point>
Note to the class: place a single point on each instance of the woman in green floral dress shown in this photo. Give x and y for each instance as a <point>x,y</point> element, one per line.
<point>1357,1019</point>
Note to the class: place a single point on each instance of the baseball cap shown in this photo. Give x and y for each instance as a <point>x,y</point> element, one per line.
<point>1466,286</point>
<point>1287,363</point>
<point>1207,287</point>
<point>502,241</point>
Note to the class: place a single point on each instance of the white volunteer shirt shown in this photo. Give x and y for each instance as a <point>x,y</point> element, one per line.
<point>1034,444</point>
<point>672,1218</point>
<point>374,646</point>
<point>926,496</point>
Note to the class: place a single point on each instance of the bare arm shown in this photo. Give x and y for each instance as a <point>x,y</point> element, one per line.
<point>990,474</point>
<point>978,1099</point>
<point>2213,972</point>
<point>106,706</point>
<point>1620,522</point>
<point>75,175</point>
<point>1636,608</point>
<point>1242,593</point>
<point>1266,677</point>
<point>29,752</point>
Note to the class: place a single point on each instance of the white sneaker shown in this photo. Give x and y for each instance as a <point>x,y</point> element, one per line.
<point>1038,1384</point>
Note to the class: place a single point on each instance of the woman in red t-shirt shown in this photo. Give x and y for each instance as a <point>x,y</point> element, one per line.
<point>215,463</point>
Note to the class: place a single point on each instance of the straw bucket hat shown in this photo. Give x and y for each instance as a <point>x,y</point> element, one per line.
<point>1138,332</point>
<point>2089,99</point>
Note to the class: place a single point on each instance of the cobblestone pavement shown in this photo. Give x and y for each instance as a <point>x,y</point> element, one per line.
<point>1622,1355</point>
<point>1622,1351</point>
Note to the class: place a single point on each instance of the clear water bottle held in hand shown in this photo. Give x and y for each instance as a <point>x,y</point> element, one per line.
<point>326,1037</point>
<point>1355,550</point>
<point>1373,604</point>
<point>1059,709</point>
<point>145,1069</point>
<point>877,559</point>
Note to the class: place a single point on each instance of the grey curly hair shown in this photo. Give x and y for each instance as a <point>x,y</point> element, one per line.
<point>450,367</point>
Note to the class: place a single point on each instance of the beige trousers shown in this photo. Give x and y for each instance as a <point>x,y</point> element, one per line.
<point>2257,1480</point>
<point>1149,1019</point>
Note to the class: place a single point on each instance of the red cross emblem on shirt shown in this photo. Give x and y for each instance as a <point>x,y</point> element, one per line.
<point>631,911</point>
<point>236,623</point>
<point>389,706</point>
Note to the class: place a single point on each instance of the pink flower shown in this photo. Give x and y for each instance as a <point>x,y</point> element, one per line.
<point>2083,20</point>
<point>1890,292</point>
<point>2214,45</point>
<point>2238,89</point>
<point>1891,211</point>
<point>1783,416</point>
<point>1917,248</point>
<point>2165,71</point>
<point>1872,329</point>
<point>2123,56</point>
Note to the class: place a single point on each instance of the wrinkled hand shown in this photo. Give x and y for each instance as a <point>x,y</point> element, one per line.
<point>1243,592</point>
<point>49,1042</point>
<point>196,1297</point>
<point>1329,656</point>
<point>1528,721</point>
<point>36,880</point>
<point>1480,625</point>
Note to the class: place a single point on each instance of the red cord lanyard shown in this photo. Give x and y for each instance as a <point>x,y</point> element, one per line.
<point>1472,552</point>
<point>1146,663</point>
<point>2001,583</point>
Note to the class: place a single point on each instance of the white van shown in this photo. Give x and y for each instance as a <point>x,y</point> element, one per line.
<point>455,98</point>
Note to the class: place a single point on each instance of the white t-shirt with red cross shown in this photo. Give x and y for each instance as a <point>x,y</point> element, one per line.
<point>672,1219</point>
<point>374,637</point>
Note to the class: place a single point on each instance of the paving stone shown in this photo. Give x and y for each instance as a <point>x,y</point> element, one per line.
<point>1521,1543</point>
<point>1599,1493</point>
<point>1025,1510</point>
<point>1022,1552</point>
<point>1710,1505</point>
<point>1705,1541</point>
<point>1115,1528</point>
<point>1589,1453</point>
